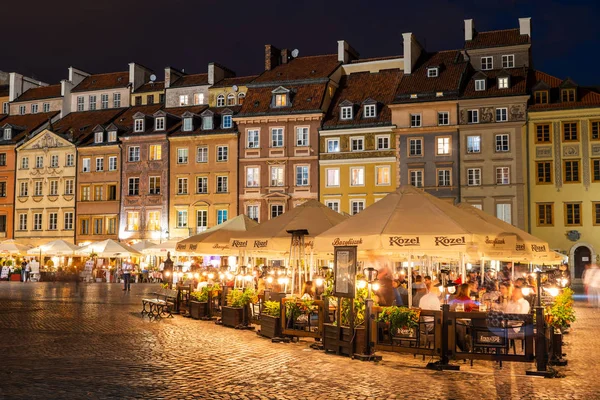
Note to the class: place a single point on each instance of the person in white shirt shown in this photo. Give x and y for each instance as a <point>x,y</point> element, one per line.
<point>430,301</point>
<point>127,276</point>
<point>517,304</point>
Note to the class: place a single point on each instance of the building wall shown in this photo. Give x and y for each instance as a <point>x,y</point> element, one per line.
<point>93,209</point>
<point>214,92</point>
<point>7,199</point>
<point>144,202</point>
<point>4,100</point>
<point>211,202</point>
<point>125,98</point>
<point>172,94</point>
<point>45,144</point>
<point>55,105</point>
<point>287,156</point>
<point>144,97</point>
<point>521,53</point>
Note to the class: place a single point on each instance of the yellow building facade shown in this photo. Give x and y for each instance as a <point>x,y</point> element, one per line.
<point>148,94</point>
<point>229,92</point>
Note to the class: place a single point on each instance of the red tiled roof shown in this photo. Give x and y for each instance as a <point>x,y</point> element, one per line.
<point>110,80</point>
<point>151,87</point>
<point>517,83</point>
<point>451,69</point>
<point>304,98</point>
<point>240,81</point>
<point>30,122</point>
<point>301,68</point>
<point>81,124</point>
<point>586,97</point>
<point>125,120</point>
<point>507,37</point>
<point>358,87</point>
<point>191,80</point>
<point>39,93</point>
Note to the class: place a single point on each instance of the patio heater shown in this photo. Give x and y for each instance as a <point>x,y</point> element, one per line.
<point>297,257</point>
<point>372,285</point>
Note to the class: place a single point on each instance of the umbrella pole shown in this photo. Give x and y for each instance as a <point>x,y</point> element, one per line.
<point>410,280</point>
<point>482,268</point>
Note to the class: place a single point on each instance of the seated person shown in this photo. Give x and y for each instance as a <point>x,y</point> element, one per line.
<point>517,303</point>
<point>462,297</point>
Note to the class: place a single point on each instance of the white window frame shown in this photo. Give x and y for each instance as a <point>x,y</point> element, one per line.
<point>222,153</point>
<point>182,219</point>
<point>221,100</point>
<point>112,136</point>
<point>154,185</point>
<point>488,62</point>
<point>80,103</point>
<point>502,213</point>
<point>502,176</point>
<point>358,140</point>
<point>346,113</point>
<point>416,177</point>
<point>253,177</point>
<point>133,154</point>
<point>38,221</point>
<point>443,118</point>
<point>302,136</point>
<point>182,186</point>
<point>182,155</point>
<point>474,114</point>
<point>504,145</point>
<point>188,124</point>
<point>335,177</point>
<point>302,175</point>
<point>112,163</point>
<point>370,111</point>
<point>360,168</point>
<point>336,149</point>
<point>433,72</point>
<point>446,151</point>
<point>104,101</point>
<point>333,204</point>
<point>224,180</point>
<point>68,218</point>
<point>38,188</point>
<point>25,163</point>
<point>53,187</point>
<point>99,137</point>
<point>470,150</point>
<point>133,183</point>
<point>34,108</point>
<point>379,139</point>
<point>23,222</point>
<point>356,202</point>
<point>116,100</point>
<point>99,164</point>
<point>508,61</point>
<point>92,100</point>
<point>183,100</point>
<point>204,186</point>
<point>159,123</point>
<point>86,165</point>
<point>503,82</point>
<point>54,161</point>
<point>138,125</point>
<point>69,186</point>
<point>271,206</point>
<point>277,179</point>
<point>415,140</point>
<point>501,114</point>
<point>277,138</point>
<point>389,175</point>
<point>201,220</point>
<point>479,85</point>
<point>70,160</point>
<point>202,154</point>
<point>416,120</point>
<point>46,107</point>
<point>253,139</point>
<point>473,176</point>
<point>443,171</point>
<point>22,110</point>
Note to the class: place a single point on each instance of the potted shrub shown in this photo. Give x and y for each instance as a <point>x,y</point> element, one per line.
<point>559,317</point>
<point>199,302</point>
<point>16,275</point>
<point>235,314</point>
<point>401,321</point>
<point>352,342</point>
<point>270,317</point>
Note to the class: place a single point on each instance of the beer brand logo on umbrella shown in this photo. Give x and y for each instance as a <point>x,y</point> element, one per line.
<point>448,241</point>
<point>259,244</point>
<point>239,243</point>
<point>220,246</point>
<point>404,241</point>
<point>180,247</point>
<point>537,248</point>
<point>193,247</point>
<point>520,247</point>
<point>495,241</point>
<point>347,242</point>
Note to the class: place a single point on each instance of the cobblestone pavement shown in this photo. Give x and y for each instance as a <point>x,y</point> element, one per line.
<point>59,342</point>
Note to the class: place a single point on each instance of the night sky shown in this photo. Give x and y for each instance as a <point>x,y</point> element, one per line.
<point>44,38</point>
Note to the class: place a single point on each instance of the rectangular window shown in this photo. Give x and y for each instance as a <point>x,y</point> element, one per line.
<point>54,161</point>
<point>111,226</point>
<point>6,107</point>
<point>444,177</point>
<point>504,212</point>
<point>252,177</point>
<point>38,188</point>
<point>104,101</point>
<point>302,175</point>
<point>487,63</point>
<point>503,82</point>
<point>112,163</point>
<point>68,221</point>
<point>383,175</point>
<point>133,187</point>
<point>595,130</point>
<point>182,218</point>
<point>357,176</point>
<point>201,220</point>
<point>202,154</point>
<point>415,147</point>
<point>116,100</point>
<point>443,146</point>
<point>80,103</point>
<point>227,122</point>
<point>198,98</point>
<point>277,176</point>
<point>53,187</point>
<point>37,222</point>
<point>153,220</point>
<point>357,144</point>
<point>161,98</point>
<point>572,214</point>
<point>92,99</point>
<point>596,211</point>
<point>99,164</point>
<point>188,125</point>
<point>567,95</point>
<point>207,123</point>
<point>276,210</point>
<point>542,133</point>
<point>356,206</point>
<point>22,222</point>
<point>2,189</point>
<point>383,142</point>
<point>416,177</point>
<point>544,171</point>
<point>253,139</point>
<point>159,124</point>
<point>3,159</point>
<point>545,214</point>
<point>155,152</point>
<point>508,61</point>
<point>112,192</point>
<point>479,85</point>
<point>280,100</point>
<point>221,216</point>
<point>39,162</point>
<point>25,163</point>
<point>24,189</point>
<point>541,97</point>
<point>473,116</point>
<point>370,111</point>
<point>596,169</point>
<point>138,125</point>
<point>222,184</point>
<point>346,113</point>
<point>133,153</point>
<point>70,160</point>
<point>34,108</point>
<point>182,156</point>
<point>333,145</point>
<point>22,110</point>
<point>52,221</point>
<point>333,204</point>
<point>202,185</point>
<point>98,226</point>
<point>86,165</point>
<point>69,186</point>
<point>154,186</point>
<point>222,153</point>
<point>85,193</point>
<point>571,171</point>
<point>443,118</point>
<point>502,176</point>
<point>138,100</point>
<point>474,176</point>
<point>133,220</point>
<point>502,143</point>
<point>332,177</point>
<point>277,137</point>
<point>252,212</point>
<point>570,132</point>
<point>183,100</point>
<point>415,120</point>
<point>301,136</point>
<point>473,144</point>
<point>501,114</point>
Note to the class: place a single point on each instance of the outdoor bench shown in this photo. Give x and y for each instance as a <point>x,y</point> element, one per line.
<point>160,305</point>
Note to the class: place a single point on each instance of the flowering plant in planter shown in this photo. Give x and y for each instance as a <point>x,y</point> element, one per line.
<point>239,298</point>
<point>272,308</point>
<point>400,318</point>
<point>202,294</point>
<point>561,314</point>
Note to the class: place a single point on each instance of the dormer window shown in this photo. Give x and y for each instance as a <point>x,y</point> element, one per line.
<point>207,123</point>
<point>541,97</point>
<point>503,82</point>
<point>112,136</point>
<point>433,72</point>
<point>479,85</point>
<point>346,112</point>
<point>7,133</point>
<point>281,97</point>
<point>227,123</point>
<point>159,124</point>
<point>188,125</point>
<point>220,100</point>
<point>567,95</point>
<point>241,98</point>
<point>231,99</point>
<point>370,111</point>
<point>281,100</point>
<point>99,137</point>
<point>138,125</point>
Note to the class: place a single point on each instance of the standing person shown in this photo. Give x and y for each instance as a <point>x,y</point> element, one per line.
<point>23,268</point>
<point>585,277</point>
<point>127,276</point>
<point>27,272</point>
<point>593,277</point>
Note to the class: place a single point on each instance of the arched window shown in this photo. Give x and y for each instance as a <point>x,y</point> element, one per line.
<point>220,100</point>
<point>231,99</point>
<point>241,98</point>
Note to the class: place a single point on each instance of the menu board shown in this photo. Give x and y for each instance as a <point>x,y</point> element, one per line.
<point>344,271</point>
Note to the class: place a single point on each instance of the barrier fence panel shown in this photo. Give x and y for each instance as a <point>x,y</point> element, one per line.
<point>303,318</point>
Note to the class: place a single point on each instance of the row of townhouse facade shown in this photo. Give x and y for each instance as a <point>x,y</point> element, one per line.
<point>123,156</point>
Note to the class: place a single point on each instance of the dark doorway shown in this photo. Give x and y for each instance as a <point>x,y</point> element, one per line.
<point>583,256</point>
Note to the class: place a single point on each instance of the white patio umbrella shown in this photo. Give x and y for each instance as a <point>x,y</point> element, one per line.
<point>54,248</point>
<point>161,249</point>
<point>109,248</point>
<point>9,247</point>
<point>143,245</point>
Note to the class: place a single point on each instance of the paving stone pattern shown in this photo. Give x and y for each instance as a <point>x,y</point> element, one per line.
<point>59,341</point>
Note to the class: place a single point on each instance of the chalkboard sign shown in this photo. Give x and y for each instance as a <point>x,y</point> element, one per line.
<point>344,271</point>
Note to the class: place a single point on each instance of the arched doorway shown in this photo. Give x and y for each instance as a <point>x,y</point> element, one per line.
<point>581,257</point>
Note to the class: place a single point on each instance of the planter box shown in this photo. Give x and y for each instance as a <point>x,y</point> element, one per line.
<point>270,327</point>
<point>15,278</point>
<point>198,310</point>
<point>232,316</point>
<point>345,344</point>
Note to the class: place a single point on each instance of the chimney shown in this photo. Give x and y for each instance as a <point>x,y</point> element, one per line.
<point>469,29</point>
<point>285,56</point>
<point>412,52</point>
<point>346,53</point>
<point>272,57</point>
<point>138,75</point>
<point>525,26</point>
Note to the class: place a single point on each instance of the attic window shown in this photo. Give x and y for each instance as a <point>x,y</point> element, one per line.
<point>479,85</point>
<point>281,100</point>
<point>346,112</point>
<point>413,96</point>
<point>226,122</point>
<point>188,124</point>
<point>138,125</point>
<point>207,123</point>
<point>7,133</point>
<point>370,111</point>
<point>112,136</point>
<point>439,94</point>
<point>567,95</point>
<point>99,137</point>
<point>541,97</point>
<point>433,72</point>
<point>503,82</point>
<point>159,124</point>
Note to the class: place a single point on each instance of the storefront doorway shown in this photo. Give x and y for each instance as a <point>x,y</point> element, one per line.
<point>582,256</point>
